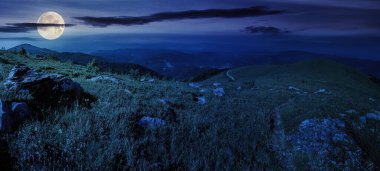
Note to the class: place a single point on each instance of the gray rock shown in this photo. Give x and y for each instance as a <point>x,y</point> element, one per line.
<point>201,100</point>
<point>293,88</point>
<point>219,92</point>
<point>203,90</point>
<point>322,91</point>
<point>20,112</point>
<point>164,101</point>
<point>5,117</point>
<point>104,78</point>
<point>216,84</point>
<point>195,85</point>
<point>151,80</point>
<point>151,122</point>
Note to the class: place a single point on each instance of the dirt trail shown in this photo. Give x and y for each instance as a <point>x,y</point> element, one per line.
<point>278,141</point>
<point>230,76</point>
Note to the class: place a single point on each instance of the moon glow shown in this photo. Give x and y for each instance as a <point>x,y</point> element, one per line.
<point>51,32</point>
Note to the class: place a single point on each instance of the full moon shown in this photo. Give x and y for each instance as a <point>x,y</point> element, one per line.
<point>51,32</point>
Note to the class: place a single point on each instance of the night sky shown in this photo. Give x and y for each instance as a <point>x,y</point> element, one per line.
<point>342,27</point>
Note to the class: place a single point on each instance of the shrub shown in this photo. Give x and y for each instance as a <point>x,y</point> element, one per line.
<point>22,52</point>
<point>92,66</point>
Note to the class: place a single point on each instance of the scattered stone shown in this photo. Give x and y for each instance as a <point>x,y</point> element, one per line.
<point>151,122</point>
<point>322,91</point>
<point>371,99</point>
<point>104,78</point>
<point>293,88</point>
<point>142,79</point>
<point>203,90</point>
<point>219,92</point>
<point>238,88</point>
<point>151,80</point>
<point>201,100</point>
<point>195,85</point>
<point>216,84</point>
<point>164,101</point>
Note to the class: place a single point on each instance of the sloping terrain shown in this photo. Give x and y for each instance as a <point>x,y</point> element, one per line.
<point>249,118</point>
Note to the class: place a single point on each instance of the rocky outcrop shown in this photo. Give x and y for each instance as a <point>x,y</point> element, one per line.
<point>324,142</point>
<point>47,89</point>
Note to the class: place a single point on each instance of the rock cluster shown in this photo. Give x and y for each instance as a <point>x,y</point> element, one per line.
<point>325,143</point>
<point>46,90</point>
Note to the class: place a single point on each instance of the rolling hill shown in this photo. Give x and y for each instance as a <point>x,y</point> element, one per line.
<point>315,114</point>
<point>188,65</point>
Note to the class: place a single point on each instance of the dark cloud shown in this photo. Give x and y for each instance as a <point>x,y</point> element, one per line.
<point>265,30</point>
<point>192,14</point>
<point>26,27</point>
<point>19,38</point>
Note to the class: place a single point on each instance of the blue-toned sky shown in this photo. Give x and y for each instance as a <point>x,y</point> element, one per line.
<point>328,26</point>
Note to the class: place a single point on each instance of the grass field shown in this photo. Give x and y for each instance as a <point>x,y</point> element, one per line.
<point>231,132</point>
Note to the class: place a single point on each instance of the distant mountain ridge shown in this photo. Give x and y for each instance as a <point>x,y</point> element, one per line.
<point>186,65</point>
<point>182,65</point>
<point>33,49</point>
<point>83,59</point>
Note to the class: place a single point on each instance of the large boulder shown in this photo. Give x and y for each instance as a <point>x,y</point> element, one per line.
<point>45,88</point>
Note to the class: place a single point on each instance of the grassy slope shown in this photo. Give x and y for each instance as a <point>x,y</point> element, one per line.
<point>227,132</point>
<point>350,88</point>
